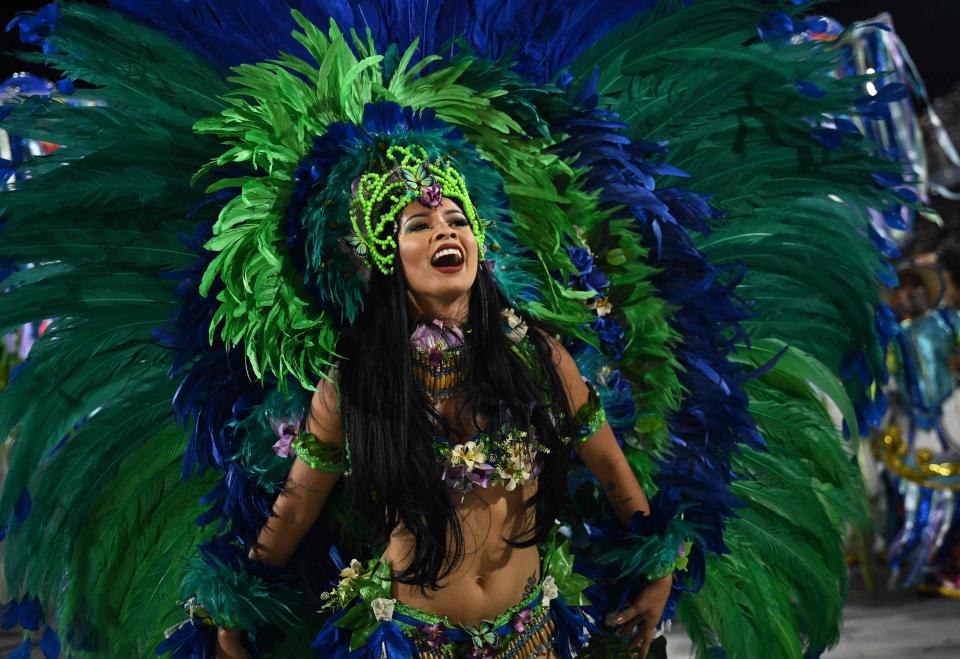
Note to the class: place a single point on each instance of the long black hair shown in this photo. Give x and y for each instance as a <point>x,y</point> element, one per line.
<point>390,424</point>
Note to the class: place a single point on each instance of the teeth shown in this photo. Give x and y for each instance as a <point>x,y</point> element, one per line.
<point>449,251</point>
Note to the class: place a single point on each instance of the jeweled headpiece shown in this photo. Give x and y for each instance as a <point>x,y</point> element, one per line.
<point>380,197</point>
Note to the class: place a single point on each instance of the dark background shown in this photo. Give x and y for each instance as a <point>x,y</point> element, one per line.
<point>928,27</point>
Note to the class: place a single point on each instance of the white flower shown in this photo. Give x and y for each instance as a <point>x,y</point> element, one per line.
<point>352,571</point>
<point>520,459</point>
<point>383,608</point>
<point>518,328</point>
<point>515,454</point>
<point>602,306</point>
<point>549,590</point>
<point>467,454</point>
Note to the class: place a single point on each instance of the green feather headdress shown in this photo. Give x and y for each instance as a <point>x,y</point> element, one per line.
<point>283,302</point>
<point>285,245</point>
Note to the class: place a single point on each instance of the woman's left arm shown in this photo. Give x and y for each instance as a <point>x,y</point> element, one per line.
<point>604,458</point>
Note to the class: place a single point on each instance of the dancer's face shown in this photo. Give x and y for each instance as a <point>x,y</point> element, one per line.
<point>439,253</point>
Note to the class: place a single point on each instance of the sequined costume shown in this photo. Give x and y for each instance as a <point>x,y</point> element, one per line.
<point>920,456</point>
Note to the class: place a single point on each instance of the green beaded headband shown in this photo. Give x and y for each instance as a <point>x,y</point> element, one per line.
<point>411,178</point>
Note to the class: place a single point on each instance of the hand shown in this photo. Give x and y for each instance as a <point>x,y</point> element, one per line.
<point>637,624</point>
<point>230,645</point>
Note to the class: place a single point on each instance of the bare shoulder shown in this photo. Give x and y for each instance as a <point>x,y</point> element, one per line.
<point>567,369</point>
<point>324,420</point>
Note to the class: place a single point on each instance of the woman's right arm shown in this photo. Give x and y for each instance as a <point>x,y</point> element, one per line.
<point>306,490</point>
<point>298,506</point>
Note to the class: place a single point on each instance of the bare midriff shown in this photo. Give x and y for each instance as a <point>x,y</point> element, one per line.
<point>492,576</point>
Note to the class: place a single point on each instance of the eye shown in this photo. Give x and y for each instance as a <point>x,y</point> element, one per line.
<point>460,222</point>
<point>417,226</point>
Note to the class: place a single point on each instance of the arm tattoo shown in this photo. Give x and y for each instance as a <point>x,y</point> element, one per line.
<point>296,485</point>
<point>617,501</point>
<point>531,584</point>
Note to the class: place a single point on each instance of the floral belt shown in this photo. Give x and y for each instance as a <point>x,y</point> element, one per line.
<point>524,630</point>
<point>365,615</point>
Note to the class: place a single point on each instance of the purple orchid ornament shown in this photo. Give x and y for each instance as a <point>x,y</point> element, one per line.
<point>435,334</point>
<point>435,634</point>
<point>521,619</point>
<point>287,430</point>
<point>434,338</point>
<point>431,195</point>
<point>284,445</point>
<point>461,477</point>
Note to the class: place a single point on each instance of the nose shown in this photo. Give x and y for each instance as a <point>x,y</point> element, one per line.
<point>444,232</point>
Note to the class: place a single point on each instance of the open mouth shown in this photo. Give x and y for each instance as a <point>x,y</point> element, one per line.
<point>447,259</point>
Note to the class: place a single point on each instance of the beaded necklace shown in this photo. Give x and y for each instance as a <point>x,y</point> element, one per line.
<point>440,377</point>
<point>439,359</point>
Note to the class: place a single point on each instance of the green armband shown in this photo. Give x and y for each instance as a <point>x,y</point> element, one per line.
<point>319,456</point>
<point>589,418</point>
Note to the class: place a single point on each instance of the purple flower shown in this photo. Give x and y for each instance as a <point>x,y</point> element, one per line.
<point>430,335</point>
<point>431,196</point>
<point>460,477</point>
<point>520,620</point>
<point>480,475</point>
<point>435,634</point>
<point>536,468</point>
<point>286,433</point>
<point>455,476</point>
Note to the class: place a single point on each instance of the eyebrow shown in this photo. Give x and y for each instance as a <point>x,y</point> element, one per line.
<point>449,211</point>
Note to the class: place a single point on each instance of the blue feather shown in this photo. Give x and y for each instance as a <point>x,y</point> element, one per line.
<point>30,613</point>
<point>50,643</point>
<point>541,38</point>
<point>190,640</point>
<point>22,651</point>
<point>9,614</point>
<point>713,420</point>
<point>23,506</point>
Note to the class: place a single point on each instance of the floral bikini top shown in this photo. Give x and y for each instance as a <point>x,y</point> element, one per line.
<point>507,458</point>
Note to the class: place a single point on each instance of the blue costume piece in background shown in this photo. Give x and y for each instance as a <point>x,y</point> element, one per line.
<point>921,481</point>
<point>923,350</point>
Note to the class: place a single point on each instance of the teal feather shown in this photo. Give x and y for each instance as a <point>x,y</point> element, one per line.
<point>111,523</point>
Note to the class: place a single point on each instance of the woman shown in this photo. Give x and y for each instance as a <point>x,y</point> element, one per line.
<point>459,419</point>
